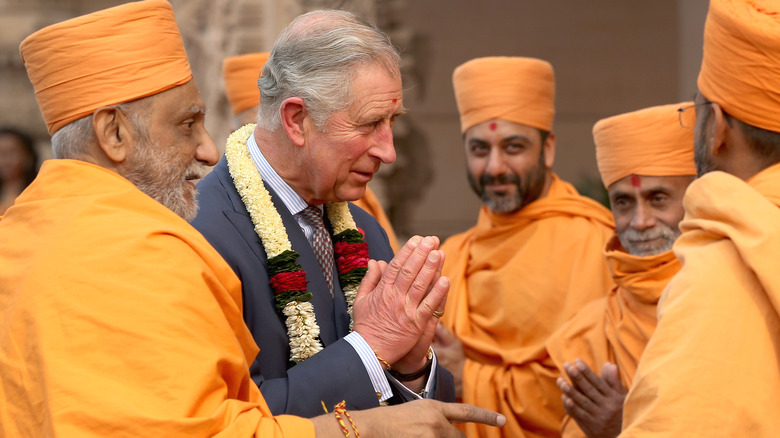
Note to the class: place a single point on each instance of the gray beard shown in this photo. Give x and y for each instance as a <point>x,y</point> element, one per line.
<point>157,175</point>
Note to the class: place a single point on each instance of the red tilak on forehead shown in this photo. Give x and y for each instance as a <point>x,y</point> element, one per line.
<point>493,126</point>
<point>395,100</point>
<point>636,181</point>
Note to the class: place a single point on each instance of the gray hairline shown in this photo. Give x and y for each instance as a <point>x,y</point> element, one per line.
<point>318,64</point>
<point>70,141</point>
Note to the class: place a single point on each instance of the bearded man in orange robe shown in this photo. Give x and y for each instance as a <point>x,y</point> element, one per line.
<point>645,159</point>
<point>532,260</point>
<point>118,318</point>
<point>712,367</point>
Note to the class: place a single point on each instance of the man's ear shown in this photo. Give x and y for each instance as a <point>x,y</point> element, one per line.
<point>549,150</point>
<point>293,112</point>
<point>113,133</point>
<point>720,127</point>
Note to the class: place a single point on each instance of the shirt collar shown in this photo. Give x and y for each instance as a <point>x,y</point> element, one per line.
<point>291,199</point>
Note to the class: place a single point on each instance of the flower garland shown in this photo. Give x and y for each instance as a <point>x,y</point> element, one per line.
<point>287,278</point>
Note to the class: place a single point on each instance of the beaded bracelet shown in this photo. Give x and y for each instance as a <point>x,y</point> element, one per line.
<point>339,410</point>
<point>382,360</point>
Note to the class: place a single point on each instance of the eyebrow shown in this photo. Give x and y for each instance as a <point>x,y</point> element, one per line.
<point>643,192</point>
<point>516,137</point>
<point>197,109</point>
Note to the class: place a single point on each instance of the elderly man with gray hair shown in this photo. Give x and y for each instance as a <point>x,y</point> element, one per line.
<point>335,318</point>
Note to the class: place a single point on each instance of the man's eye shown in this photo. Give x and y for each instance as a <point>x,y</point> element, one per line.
<point>479,149</point>
<point>659,198</point>
<point>515,148</point>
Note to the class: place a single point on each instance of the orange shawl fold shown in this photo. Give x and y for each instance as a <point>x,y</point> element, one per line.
<point>616,328</point>
<point>119,319</point>
<point>371,205</point>
<point>712,367</point>
<point>515,279</point>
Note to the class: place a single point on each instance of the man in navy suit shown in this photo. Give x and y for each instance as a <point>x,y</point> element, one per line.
<point>331,90</point>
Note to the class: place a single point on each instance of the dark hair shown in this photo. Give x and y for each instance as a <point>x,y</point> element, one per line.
<point>543,135</point>
<point>764,143</point>
<point>29,147</point>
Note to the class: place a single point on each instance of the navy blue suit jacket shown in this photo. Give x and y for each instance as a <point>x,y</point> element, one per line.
<point>332,375</point>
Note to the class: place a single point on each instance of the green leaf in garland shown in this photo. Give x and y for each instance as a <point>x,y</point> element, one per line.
<point>350,236</point>
<point>284,262</point>
<point>354,276</point>
<point>292,295</point>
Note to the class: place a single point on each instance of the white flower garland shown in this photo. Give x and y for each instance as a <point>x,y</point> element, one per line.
<point>341,220</point>
<point>302,328</point>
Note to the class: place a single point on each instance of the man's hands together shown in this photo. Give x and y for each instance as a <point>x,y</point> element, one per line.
<point>393,310</point>
<point>595,403</point>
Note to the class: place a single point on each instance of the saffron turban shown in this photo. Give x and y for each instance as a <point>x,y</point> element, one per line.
<point>105,58</point>
<point>241,74</point>
<point>740,69</point>
<point>645,142</point>
<point>520,90</point>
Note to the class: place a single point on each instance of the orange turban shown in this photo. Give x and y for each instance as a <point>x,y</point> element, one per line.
<point>645,142</point>
<point>241,74</point>
<point>740,69</point>
<point>520,90</point>
<point>105,58</point>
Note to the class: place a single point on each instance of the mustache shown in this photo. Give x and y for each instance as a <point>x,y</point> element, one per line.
<point>196,170</point>
<point>651,234</point>
<point>504,178</point>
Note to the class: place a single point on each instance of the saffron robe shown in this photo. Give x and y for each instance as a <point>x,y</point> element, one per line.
<point>712,368</point>
<point>617,327</point>
<point>118,319</point>
<point>370,204</point>
<point>515,279</point>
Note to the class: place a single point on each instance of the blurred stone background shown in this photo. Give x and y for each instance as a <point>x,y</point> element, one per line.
<point>610,56</point>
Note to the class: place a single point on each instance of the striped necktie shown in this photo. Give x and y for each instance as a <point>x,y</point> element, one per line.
<point>321,243</point>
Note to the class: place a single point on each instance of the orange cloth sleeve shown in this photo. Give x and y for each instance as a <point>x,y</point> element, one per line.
<point>616,328</point>
<point>741,60</point>
<point>105,58</point>
<point>649,142</point>
<point>515,278</point>
<point>516,89</point>
<point>119,319</point>
<point>241,74</point>
<point>711,367</point>
<point>370,204</point>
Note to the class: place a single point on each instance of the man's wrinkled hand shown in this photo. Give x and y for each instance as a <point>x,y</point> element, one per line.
<point>413,419</point>
<point>394,307</point>
<point>595,403</point>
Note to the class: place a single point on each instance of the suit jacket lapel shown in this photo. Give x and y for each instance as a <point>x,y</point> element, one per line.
<point>323,304</point>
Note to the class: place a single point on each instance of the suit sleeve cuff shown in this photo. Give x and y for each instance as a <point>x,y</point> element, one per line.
<point>372,366</point>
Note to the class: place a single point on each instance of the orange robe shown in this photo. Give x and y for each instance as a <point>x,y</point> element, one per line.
<point>617,327</point>
<point>712,368</point>
<point>515,278</point>
<point>370,204</point>
<point>118,319</point>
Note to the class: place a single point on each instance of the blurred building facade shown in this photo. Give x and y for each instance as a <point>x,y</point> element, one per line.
<point>610,56</point>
